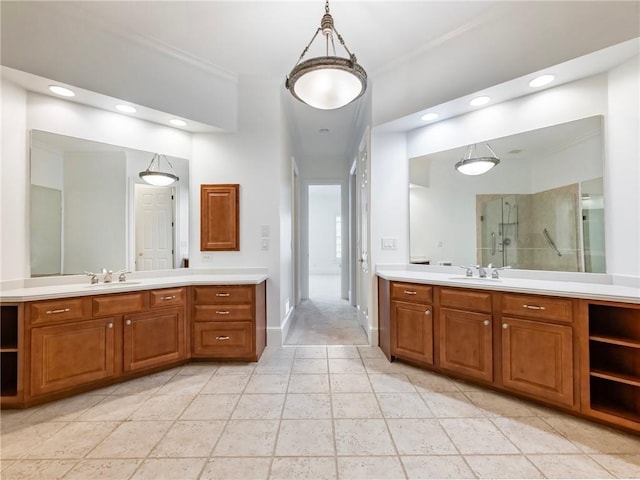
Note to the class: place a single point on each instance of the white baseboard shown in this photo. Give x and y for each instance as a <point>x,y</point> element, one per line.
<point>276,335</point>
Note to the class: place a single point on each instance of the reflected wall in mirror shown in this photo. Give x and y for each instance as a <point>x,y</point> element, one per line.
<point>90,210</point>
<point>541,208</point>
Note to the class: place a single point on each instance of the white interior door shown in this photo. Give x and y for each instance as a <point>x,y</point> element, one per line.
<point>154,227</point>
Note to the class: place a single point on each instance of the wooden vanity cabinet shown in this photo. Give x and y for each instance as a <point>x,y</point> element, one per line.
<point>412,322</point>
<point>228,322</point>
<point>12,354</point>
<point>537,355</point>
<point>466,339</point>
<point>80,341</point>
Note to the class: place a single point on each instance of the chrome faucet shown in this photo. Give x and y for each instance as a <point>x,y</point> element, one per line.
<point>494,272</point>
<point>122,275</point>
<point>482,272</point>
<point>94,277</point>
<point>107,275</point>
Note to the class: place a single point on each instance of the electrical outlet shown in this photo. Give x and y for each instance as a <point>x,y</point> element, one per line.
<point>207,257</point>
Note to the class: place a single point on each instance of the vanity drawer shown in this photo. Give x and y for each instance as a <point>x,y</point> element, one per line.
<point>222,313</point>
<point>223,339</point>
<point>411,292</point>
<point>466,299</point>
<point>538,307</point>
<point>167,297</point>
<point>223,294</point>
<point>120,303</point>
<point>53,311</point>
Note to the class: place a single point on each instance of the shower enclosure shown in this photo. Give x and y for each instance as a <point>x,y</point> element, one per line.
<point>498,231</point>
<point>561,229</point>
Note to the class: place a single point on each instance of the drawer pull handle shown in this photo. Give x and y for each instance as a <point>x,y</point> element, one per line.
<point>170,297</point>
<point>128,322</point>
<point>222,294</point>
<point>410,292</point>
<point>222,312</point>
<point>505,326</point>
<point>61,310</point>
<point>427,312</point>
<point>486,323</point>
<point>221,338</point>
<point>533,307</point>
<point>110,325</point>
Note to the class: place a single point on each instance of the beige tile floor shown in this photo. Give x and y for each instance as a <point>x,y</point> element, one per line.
<point>306,413</point>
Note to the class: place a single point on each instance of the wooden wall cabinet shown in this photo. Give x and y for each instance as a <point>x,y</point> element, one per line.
<point>219,217</point>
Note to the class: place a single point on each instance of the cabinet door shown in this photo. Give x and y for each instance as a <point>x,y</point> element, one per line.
<point>466,343</point>
<point>153,339</point>
<point>219,217</point>
<point>68,355</point>
<point>537,358</point>
<point>412,331</point>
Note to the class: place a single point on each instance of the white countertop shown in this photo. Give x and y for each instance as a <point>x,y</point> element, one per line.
<point>62,287</point>
<point>574,289</point>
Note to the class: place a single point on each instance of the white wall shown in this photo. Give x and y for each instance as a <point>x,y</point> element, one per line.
<point>253,158</point>
<point>14,178</point>
<point>622,170</point>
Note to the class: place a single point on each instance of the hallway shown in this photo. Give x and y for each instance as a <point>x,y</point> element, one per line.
<point>325,321</point>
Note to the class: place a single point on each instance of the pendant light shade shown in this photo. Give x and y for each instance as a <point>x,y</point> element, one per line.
<point>153,175</point>
<point>327,82</point>
<point>474,164</point>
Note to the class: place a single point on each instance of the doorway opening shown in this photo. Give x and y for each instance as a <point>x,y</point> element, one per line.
<point>325,241</point>
<point>154,227</point>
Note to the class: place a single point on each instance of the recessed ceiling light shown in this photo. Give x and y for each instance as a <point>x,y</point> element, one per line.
<point>126,108</point>
<point>427,117</point>
<point>479,101</point>
<point>542,80</point>
<point>58,90</point>
<point>177,122</point>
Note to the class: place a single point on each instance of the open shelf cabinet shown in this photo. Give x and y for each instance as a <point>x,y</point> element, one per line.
<point>10,352</point>
<point>614,360</point>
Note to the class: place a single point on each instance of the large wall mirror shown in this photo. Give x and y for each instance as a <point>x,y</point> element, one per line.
<point>90,210</point>
<point>540,208</point>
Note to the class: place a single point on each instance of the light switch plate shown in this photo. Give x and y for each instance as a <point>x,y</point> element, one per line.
<point>389,243</point>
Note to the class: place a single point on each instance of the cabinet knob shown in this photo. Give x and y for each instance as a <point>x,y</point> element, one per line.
<point>128,322</point>
<point>110,325</point>
<point>505,326</point>
<point>222,338</point>
<point>427,312</point>
<point>486,323</point>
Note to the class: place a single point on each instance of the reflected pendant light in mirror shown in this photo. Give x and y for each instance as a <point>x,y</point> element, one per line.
<point>474,163</point>
<point>154,175</point>
<point>327,82</point>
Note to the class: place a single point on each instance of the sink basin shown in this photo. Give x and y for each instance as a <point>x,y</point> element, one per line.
<point>113,284</point>
<point>475,279</point>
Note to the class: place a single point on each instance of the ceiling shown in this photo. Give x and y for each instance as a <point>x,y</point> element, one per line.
<point>418,54</point>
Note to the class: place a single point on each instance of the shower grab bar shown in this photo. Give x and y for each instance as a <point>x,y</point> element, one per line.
<point>493,243</point>
<point>550,241</point>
